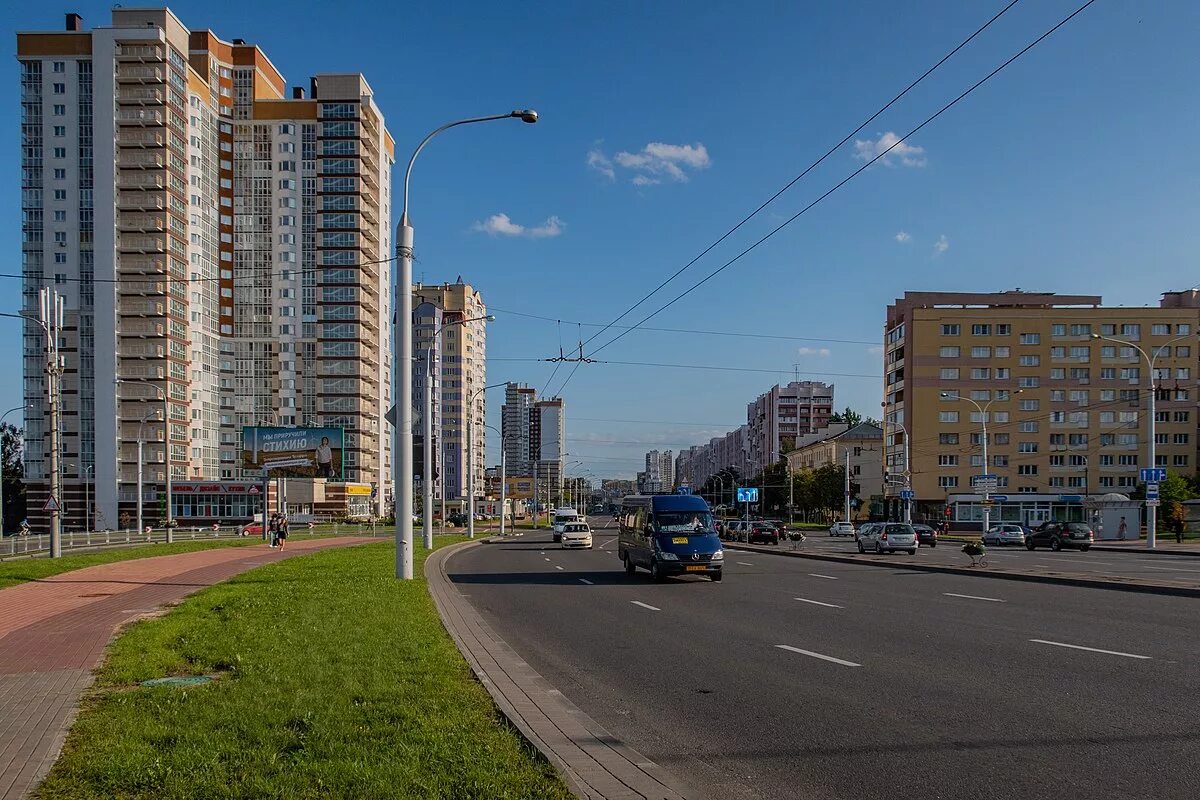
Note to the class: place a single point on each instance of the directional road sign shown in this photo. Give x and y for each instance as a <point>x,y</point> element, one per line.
<point>907,494</point>
<point>747,495</point>
<point>985,482</point>
<point>1000,498</point>
<point>1154,474</point>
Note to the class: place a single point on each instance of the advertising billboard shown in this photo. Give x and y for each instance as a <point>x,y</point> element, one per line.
<point>294,452</point>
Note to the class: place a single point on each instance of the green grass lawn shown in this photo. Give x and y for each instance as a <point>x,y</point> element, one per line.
<point>335,680</point>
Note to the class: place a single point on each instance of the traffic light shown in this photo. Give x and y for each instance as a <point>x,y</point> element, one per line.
<point>419,456</point>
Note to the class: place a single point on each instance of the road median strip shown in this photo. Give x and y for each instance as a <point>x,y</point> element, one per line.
<point>1117,584</point>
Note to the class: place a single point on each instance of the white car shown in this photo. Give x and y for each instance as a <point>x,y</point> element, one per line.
<point>888,538</point>
<point>577,534</point>
<point>841,529</point>
<point>1005,533</point>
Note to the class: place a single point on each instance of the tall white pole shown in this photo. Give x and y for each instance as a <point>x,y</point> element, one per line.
<point>470,467</point>
<point>427,447</point>
<point>847,508</point>
<point>907,478</point>
<point>167,450</point>
<point>402,470</point>
<point>502,487</point>
<point>139,482</point>
<point>87,500</point>
<point>1151,510</point>
<point>987,509</point>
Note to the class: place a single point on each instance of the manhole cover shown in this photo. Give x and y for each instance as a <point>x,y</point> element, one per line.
<point>178,680</point>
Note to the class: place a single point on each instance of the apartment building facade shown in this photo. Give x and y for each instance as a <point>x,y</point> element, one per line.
<point>534,436</point>
<point>1066,412</point>
<point>216,241</point>
<point>453,314</point>
<point>782,414</point>
<point>659,475</point>
<point>859,447</point>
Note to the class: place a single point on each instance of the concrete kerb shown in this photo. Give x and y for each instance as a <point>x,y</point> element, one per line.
<point>595,764</point>
<point>1062,580</point>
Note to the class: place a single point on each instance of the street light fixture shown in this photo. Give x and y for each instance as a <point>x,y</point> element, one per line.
<point>427,429</point>
<point>140,439</point>
<point>1151,511</point>
<point>471,457</point>
<point>166,442</point>
<point>983,417</point>
<point>907,474</point>
<point>503,488</point>
<point>402,469</point>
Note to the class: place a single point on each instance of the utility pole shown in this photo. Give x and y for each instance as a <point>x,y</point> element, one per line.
<point>51,316</point>
<point>847,507</point>
<point>427,445</point>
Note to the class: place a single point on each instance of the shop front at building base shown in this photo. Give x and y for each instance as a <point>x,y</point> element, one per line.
<point>204,503</point>
<point>1031,510</point>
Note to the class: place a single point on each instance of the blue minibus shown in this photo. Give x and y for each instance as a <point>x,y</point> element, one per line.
<point>669,534</point>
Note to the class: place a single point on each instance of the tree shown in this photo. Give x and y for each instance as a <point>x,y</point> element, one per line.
<point>1175,489</point>
<point>12,445</point>
<point>848,416</point>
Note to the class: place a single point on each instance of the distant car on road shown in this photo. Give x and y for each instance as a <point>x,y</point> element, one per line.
<point>577,534</point>
<point>457,519</point>
<point>562,516</point>
<point>1005,533</point>
<point>252,529</point>
<point>764,532</point>
<point>888,538</point>
<point>925,535</point>
<point>1056,536</point>
<point>864,529</point>
<point>841,529</point>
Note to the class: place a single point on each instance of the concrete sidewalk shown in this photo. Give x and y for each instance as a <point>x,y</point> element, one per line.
<point>53,633</point>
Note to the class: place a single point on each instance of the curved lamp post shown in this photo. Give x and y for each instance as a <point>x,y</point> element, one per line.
<point>983,418</point>
<point>402,462</point>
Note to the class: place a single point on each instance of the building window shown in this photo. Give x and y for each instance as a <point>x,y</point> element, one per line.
<point>1183,329</point>
<point>1182,416</point>
<point>951,330</point>
<point>1181,438</point>
<point>1058,352</point>
<point>980,373</point>
<point>1183,351</point>
<point>981,352</point>
<point>949,352</point>
<point>1030,338</point>
<point>1003,352</point>
<point>1183,373</point>
<point>1028,426</point>
<point>1000,438</point>
<point>947,481</point>
<point>1181,461</point>
<point>981,330</point>
<point>948,416</point>
<point>1027,469</point>
<point>1029,361</point>
<point>60,130</point>
<point>60,152</point>
<point>947,461</point>
<point>1058,373</point>
<point>949,373</point>
<point>1131,329</point>
<point>1080,353</point>
<point>999,416</point>
<point>947,438</point>
<point>60,66</point>
<point>1081,330</point>
<point>1027,447</point>
<point>1027,382</point>
<point>981,394</point>
<point>1160,329</point>
<point>1004,329</point>
<point>1058,329</point>
<point>61,88</point>
<point>60,111</point>
<point>1003,373</point>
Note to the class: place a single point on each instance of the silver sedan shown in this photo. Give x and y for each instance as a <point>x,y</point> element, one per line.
<point>1006,533</point>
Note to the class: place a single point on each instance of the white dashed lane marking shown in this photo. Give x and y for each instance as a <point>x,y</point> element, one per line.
<point>585,580</point>
<point>811,654</point>
<point>1091,649</point>
<point>645,605</point>
<point>975,597</point>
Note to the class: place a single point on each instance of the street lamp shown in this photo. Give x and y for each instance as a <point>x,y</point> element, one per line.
<point>471,457</point>
<point>166,443</point>
<point>2,465</point>
<point>1151,511</point>
<point>907,474</point>
<point>427,427</point>
<point>151,412</point>
<point>402,466</point>
<point>983,417</point>
<point>87,497</point>
<point>503,488</point>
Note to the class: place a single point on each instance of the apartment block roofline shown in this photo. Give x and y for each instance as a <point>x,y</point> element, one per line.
<point>1012,298</point>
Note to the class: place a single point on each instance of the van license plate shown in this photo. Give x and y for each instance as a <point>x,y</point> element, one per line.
<point>695,569</point>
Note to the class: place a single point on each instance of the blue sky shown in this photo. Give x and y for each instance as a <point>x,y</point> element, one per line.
<point>663,123</point>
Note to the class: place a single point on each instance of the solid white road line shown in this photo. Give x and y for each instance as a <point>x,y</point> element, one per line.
<point>1172,569</point>
<point>975,597</point>
<point>557,567</point>
<point>1090,649</point>
<point>789,648</point>
<point>826,577</point>
<point>645,605</point>
<point>585,580</point>
<point>817,603</point>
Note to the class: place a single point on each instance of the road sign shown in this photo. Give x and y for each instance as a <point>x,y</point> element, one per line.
<point>1154,474</point>
<point>747,495</point>
<point>1151,491</point>
<point>907,494</point>
<point>1000,498</point>
<point>683,490</point>
<point>253,490</point>
<point>1152,502</point>
<point>988,502</point>
<point>51,504</point>
<point>985,483</point>
<point>1071,498</point>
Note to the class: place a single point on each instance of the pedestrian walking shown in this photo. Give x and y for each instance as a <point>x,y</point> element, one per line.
<point>1122,529</point>
<point>283,531</point>
<point>273,529</point>
<point>1179,530</point>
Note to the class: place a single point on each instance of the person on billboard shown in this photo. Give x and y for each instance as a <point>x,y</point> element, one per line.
<point>324,459</point>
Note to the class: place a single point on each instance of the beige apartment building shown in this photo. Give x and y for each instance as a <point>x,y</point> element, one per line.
<point>1066,413</point>
<point>858,446</point>
<point>459,368</point>
<point>218,239</point>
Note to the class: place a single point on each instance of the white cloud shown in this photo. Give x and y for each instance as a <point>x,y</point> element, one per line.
<point>910,155</point>
<point>601,163</point>
<point>820,352</point>
<point>653,162</point>
<point>502,225</point>
<point>941,245</point>
<point>903,237</point>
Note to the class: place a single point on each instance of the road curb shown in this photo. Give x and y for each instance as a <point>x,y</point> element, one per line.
<point>595,764</point>
<point>1091,583</point>
<point>1143,551</point>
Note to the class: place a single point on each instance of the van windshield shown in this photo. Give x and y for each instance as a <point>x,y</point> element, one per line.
<point>684,521</point>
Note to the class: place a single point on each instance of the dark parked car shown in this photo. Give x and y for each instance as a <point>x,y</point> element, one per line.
<point>1057,535</point>
<point>763,532</point>
<point>925,535</point>
<point>456,519</point>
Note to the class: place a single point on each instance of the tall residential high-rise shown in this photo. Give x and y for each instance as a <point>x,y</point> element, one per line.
<point>218,240</point>
<point>659,475</point>
<point>781,415</point>
<point>459,369</point>
<point>534,433</point>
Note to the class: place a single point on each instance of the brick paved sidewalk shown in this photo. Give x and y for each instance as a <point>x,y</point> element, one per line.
<point>53,633</point>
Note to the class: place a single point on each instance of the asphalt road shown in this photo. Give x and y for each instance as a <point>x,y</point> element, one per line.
<point>801,679</point>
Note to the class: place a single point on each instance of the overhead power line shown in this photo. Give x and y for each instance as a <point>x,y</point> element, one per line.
<point>807,170</point>
<point>846,179</point>
<point>875,376</point>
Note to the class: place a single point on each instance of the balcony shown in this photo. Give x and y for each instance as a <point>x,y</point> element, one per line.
<point>142,288</point>
<point>141,74</point>
<point>142,159</point>
<point>140,116</point>
<point>141,222</point>
<point>142,244</point>
<point>141,181</point>
<point>143,308</point>
<point>139,138</point>
<point>142,96</point>
<point>140,201</point>
<point>142,351</point>
<point>142,329</point>
<point>135,263</point>
<point>141,53</point>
